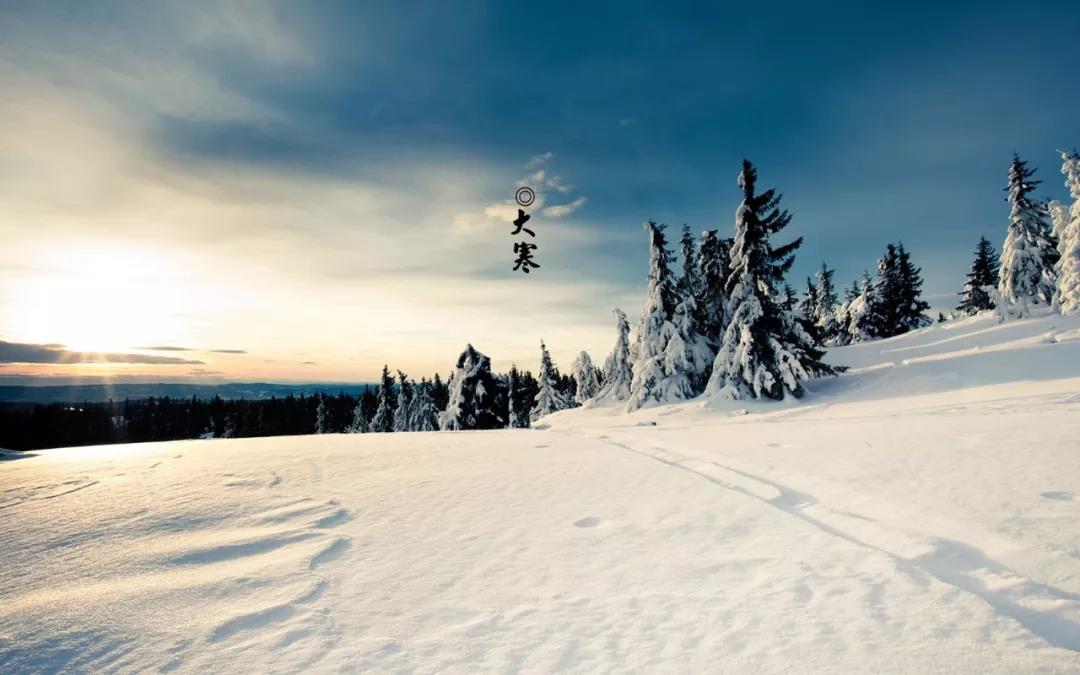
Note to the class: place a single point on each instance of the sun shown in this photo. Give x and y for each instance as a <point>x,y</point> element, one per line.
<point>97,298</point>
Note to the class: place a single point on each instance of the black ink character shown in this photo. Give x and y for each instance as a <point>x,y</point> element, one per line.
<point>524,256</point>
<point>520,223</point>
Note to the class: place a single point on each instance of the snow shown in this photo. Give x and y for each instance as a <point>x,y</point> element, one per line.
<point>915,515</point>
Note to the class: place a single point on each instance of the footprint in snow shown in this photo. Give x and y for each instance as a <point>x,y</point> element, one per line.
<point>590,521</point>
<point>1059,495</point>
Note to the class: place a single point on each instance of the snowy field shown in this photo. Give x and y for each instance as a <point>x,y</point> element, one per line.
<point>920,514</point>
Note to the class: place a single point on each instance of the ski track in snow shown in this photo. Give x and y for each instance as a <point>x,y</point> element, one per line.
<point>1037,607</point>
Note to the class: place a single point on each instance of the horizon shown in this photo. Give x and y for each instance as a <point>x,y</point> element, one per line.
<point>284,194</point>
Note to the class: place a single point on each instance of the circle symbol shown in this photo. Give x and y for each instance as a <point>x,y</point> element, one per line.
<point>525,196</point>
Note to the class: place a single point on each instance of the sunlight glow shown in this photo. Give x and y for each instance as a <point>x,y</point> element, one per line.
<point>98,298</point>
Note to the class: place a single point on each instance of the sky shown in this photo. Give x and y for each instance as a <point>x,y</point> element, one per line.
<point>288,191</point>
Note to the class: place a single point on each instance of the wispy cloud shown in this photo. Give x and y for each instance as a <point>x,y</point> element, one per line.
<point>17,352</point>
<point>173,348</point>
<point>541,178</point>
<point>561,210</point>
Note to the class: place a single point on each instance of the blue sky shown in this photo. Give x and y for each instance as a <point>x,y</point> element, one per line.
<point>324,186</point>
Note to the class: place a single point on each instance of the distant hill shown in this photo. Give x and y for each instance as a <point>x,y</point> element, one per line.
<point>74,393</point>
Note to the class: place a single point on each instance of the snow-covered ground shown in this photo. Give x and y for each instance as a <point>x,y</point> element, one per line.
<point>919,514</point>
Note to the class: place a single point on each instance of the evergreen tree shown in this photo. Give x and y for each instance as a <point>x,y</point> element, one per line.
<point>474,395</point>
<point>808,304</point>
<point>322,421</point>
<point>655,329</point>
<point>440,393</point>
<point>585,377</point>
<point>517,402</point>
<point>617,371</point>
<point>691,271</point>
<point>359,424</point>
<point>825,302</point>
<point>714,260</point>
<point>403,412</point>
<point>383,420</point>
<point>981,280</point>
<point>789,299</point>
<point>863,313</point>
<point>764,353</point>
<point>549,398</point>
<point>1028,257</point>
<point>911,308</point>
<point>1067,295</point>
<point>424,415</point>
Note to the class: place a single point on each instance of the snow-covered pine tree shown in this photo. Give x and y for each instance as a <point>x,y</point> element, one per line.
<point>764,353</point>
<point>585,377</point>
<point>548,397</point>
<point>322,417</point>
<point>689,352</point>
<point>424,415</point>
<point>981,280</point>
<point>617,371</point>
<point>862,313</point>
<point>825,302</point>
<point>691,270</point>
<point>1067,294</point>
<point>359,424</point>
<point>1030,252</point>
<point>473,395</point>
<point>842,316</point>
<point>649,385</point>
<point>383,420</point>
<point>403,412</point>
<point>1059,220</point>
<point>714,261</point>
<point>516,401</point>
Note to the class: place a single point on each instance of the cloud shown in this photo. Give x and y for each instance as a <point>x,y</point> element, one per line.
<point>542,180</point>
<point>627,121</point>
<point>540,160</point>
<point>309,363</point>
<point>560,210</point>
<point>173,348</point>
<point>16,352</point>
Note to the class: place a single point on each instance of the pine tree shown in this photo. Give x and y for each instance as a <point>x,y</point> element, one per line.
<point>517,403</point>
<point>764,351</point>
<point>808,304</point>
<point>474,394</point>
<point>548,397</point>
<point>863,313</point>
<point>825,302</point>
<point>424,415</point>
<point>1067,293</point>
<point>585,377</point>
<point>617,371</point>
<point>403,412</point>
<point>789,299</point>
<point>691,271</point>
<point>1028,257</point>
<point>322,422</point>
<point>383,420</point>
<point>714,260</point>
<point>359,424</point>
<point>911,308</point>
<point>981,280</point>
<point>655,329</point>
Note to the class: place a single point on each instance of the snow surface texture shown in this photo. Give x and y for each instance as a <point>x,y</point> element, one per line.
<point>916,515</point>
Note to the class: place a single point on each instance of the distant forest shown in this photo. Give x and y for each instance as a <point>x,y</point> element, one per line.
<point>34,426</point>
